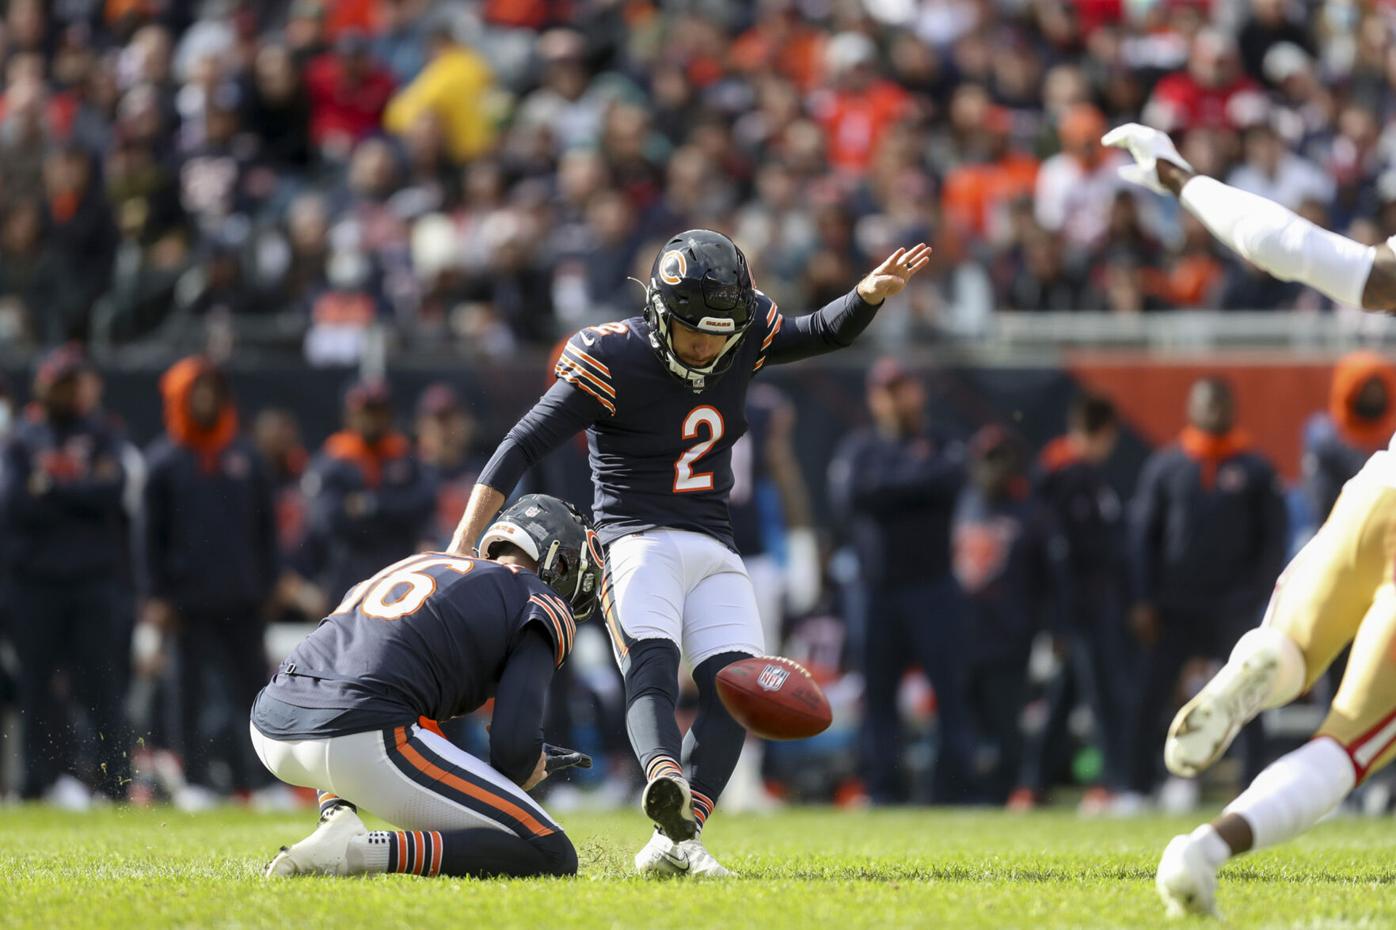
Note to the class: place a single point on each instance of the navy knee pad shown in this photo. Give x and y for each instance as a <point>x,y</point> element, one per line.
<point>652,671</point>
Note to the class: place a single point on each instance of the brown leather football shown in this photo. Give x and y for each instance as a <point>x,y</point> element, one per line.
<point>774,698</point>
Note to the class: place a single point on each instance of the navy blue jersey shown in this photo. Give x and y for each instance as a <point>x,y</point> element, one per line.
<point>428,636</point>
<point>661,453</point>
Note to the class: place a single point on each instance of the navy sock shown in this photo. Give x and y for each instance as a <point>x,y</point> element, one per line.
<point>651,697</point>
<point>714,744</point>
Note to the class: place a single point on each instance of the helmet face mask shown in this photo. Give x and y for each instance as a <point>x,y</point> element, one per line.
<point>700,279</point>
<point>562,543</point>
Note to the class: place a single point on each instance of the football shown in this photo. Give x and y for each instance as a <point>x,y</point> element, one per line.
<point>774,698</point>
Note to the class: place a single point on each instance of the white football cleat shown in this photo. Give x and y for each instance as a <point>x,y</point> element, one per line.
<point>661,857</point>
<point>668,801</point>
<point>1185,880</point>
<point>1205,727</point>
<point>701,862</point>
<point>322,852</point>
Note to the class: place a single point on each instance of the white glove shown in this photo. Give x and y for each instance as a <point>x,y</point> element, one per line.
<point>1147,146</point>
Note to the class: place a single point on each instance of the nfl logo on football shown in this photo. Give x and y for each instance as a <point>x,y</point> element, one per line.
<point>772,677</point>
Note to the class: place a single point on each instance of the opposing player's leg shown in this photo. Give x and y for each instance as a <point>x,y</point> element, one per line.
<point>642,596</point>
<point>456,815</point>
<point>1357,738</point>
<point>1318,603</point>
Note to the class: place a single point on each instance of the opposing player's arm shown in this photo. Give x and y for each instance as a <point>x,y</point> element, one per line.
<point>837,324</point>
<point>560,414</point>
<point>1380,291</point>
<point>1269,236</point>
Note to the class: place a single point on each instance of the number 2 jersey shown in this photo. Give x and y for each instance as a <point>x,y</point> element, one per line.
<point>661,452</point>
<point>429,636</point>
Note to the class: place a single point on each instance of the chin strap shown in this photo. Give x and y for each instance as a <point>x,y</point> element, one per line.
<point>695,378</point>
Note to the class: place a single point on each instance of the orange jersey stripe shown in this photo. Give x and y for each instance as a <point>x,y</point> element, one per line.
<point>780,321</point>
<point>570,348</point>
<point>771,315</point>
<point>567,618</point>
<point>582,386</point>
<point>557,626</point>
<point>573,365</point>
<point>498,802</point>
<point>608,614</point>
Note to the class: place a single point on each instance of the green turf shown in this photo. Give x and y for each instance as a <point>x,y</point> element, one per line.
<point>811,869</point>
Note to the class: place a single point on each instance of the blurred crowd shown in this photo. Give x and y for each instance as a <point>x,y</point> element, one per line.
<point>322,174</point>
<point>990,621</point>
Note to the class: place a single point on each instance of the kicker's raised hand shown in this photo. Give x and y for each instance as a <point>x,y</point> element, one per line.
<point>889,278</point>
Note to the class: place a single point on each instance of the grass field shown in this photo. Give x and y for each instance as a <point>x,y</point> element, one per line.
<point>810,869</point>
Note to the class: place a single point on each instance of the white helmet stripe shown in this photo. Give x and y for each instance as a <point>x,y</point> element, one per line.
<point>512,533</point>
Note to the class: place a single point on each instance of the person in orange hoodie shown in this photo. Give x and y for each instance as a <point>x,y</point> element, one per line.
<point>371,499</point>
<point>1360,419</point>
<point>210,544</point>
<point>1208,538</point>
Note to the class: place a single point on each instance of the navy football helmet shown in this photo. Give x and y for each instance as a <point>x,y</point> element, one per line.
<point>560,539</point>
<point>700,279</point>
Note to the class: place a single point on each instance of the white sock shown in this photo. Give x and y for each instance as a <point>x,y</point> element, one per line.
<point>1213,847</point>
<point>1295,791</point>
<point>1291,673</point>
<point>1280,241</point>
<point>369,853</point>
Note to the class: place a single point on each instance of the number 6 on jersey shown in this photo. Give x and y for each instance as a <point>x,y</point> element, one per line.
<point>685,480</point>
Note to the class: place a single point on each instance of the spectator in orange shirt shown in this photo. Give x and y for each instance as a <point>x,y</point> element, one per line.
<point>977,193</point>
<point>780,41</point>
<point>860,104</point>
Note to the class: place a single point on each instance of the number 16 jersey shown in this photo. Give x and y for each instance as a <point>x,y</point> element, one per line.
<point>661,452</point>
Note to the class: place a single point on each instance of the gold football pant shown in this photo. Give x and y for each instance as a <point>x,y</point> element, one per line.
<point>1340,589</point>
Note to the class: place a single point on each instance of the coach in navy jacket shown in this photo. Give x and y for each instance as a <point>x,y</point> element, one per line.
<point>63,540</point>
<point>371,500</point>
<point>210,560</point>
<point>1208,539</point>
<point>895,486</point>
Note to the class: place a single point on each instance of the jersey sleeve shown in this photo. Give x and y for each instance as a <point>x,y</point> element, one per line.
<point>582,364</point>
<point>550,613</point>
<point>560,414</point>
<point>832,327</point>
